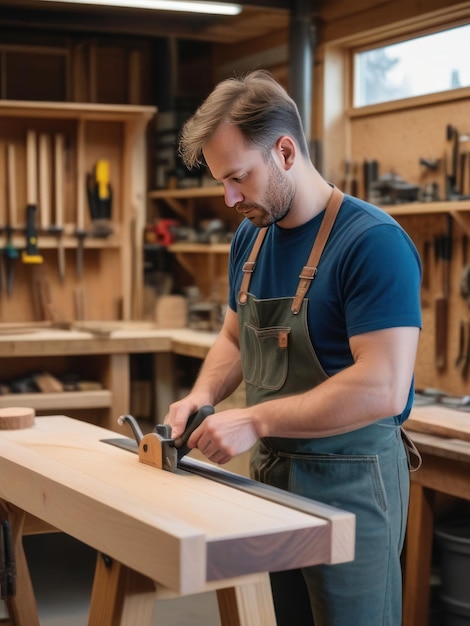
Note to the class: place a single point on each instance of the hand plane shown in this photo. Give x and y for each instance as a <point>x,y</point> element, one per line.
<point>158,448</point>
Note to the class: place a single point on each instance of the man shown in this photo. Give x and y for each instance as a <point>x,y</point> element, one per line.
<point>327,359</point>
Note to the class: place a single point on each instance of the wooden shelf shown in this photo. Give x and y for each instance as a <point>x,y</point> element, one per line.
<point>47,242</point>
<point>100,399</point>
<point>186,194</point>
<point>412,208</point>
<point>459,210</point>
<point>199,248</point>
<point>417,208</point>
<point>75,110</point>
<point>182,201</point>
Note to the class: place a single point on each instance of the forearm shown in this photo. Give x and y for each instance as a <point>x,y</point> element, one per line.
<point>340,404</point>
<point>221,371</point>
<point>373,388</point>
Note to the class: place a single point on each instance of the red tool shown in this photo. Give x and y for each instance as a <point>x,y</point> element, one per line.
<point>161,232</point>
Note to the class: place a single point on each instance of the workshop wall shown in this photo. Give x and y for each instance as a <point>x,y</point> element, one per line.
<point>397,136</point>
<point>398,139</point>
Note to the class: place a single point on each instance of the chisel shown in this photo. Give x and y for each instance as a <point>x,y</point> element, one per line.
<point>80,231</point>
<point>10,252</point>
<point>444,256</point>
<point>58,226</point>
<point>31,255</point>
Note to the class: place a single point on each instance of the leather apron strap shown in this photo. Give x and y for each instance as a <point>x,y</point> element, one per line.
<point>310,270</point>
<point>249,266</point>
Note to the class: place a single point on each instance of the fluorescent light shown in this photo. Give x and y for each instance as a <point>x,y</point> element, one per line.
<point>214,8</point>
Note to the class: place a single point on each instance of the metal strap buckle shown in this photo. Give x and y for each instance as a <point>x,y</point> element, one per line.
<point>249,266</point>
<point>308,273</point>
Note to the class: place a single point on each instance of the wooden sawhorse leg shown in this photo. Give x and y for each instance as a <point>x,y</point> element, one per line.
<point>122,597</point>
<point>22,607</point>
<point>248,604</point>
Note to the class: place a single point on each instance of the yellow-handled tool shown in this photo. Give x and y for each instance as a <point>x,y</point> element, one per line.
<point>31,254</point>
<point>100,198</point>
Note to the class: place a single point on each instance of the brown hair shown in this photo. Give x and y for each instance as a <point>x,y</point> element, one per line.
<point>256,104</point>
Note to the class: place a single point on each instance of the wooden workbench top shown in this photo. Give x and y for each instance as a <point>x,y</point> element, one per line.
<point>119,337</point>
<point>441,431</point>
<point>440,420</point>
<point>179,529</point>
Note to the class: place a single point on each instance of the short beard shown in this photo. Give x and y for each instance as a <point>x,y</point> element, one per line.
<point>279,196</point>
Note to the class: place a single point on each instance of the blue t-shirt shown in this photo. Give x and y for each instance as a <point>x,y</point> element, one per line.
<point>368,277</point>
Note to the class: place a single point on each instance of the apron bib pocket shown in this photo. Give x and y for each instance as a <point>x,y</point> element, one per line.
<point>267,365</point>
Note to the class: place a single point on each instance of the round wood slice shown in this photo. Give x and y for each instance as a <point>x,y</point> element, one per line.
<point>13,418</point>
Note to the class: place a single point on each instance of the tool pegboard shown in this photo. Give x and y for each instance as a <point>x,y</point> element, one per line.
<point>443,360</point>
<point>421,147</point>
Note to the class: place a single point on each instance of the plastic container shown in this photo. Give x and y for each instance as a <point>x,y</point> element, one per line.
<point>454,543</point>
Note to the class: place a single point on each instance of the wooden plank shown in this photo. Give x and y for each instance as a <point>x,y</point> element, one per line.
<point>340,522</point>
<point>54,492</point>
<point>99,399</point>
<point>440,420</point>
<point>61,472</point>
<point>455,449</point>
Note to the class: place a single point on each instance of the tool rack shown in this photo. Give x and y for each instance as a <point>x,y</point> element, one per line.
<point>109,286</point>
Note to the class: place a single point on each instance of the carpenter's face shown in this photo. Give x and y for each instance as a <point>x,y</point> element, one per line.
<point>256,187</point>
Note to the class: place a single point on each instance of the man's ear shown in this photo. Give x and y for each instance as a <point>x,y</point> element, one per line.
<point>286,150</point>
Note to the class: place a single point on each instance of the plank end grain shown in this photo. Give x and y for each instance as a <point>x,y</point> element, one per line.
<point>273,552</point>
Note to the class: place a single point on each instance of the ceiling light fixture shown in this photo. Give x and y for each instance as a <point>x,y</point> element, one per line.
<point>213,8</point>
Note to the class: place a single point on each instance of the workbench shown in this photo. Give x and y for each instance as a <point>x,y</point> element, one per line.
<point>445,469</point>
<point>106,356</point>
<point>157,533</point>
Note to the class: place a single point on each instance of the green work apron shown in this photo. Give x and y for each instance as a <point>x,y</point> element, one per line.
<point>364,471</point>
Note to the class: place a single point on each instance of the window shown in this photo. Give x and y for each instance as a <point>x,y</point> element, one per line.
<point>420,66</point>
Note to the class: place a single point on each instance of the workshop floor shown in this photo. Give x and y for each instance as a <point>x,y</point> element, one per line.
<point>62,569</point>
